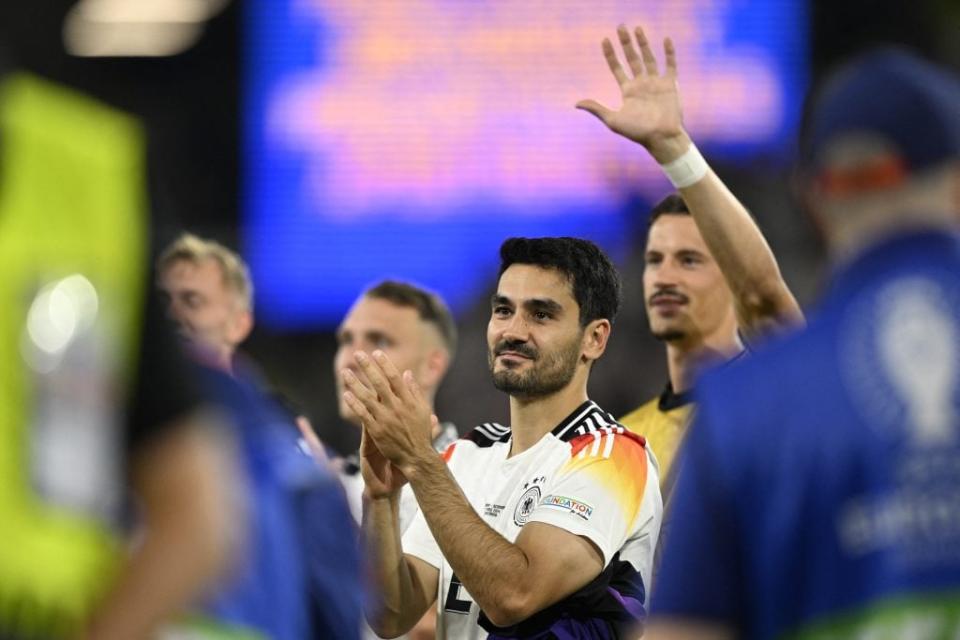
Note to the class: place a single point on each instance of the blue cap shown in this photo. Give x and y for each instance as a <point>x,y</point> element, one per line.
<point>911,104</point>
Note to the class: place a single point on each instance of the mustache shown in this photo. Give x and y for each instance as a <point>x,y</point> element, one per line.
<point>668,292</point>
<point>517,347</point>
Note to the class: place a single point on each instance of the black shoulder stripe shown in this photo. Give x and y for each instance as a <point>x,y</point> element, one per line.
<point>486,435</point>
<point>586,418</point>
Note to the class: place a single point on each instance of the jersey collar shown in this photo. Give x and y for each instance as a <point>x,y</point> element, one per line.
<point>586,418</point>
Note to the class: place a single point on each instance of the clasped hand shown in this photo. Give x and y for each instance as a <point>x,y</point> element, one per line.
<point>397,421</point>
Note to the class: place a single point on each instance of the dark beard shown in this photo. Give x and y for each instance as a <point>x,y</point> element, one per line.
<point>546,377</point>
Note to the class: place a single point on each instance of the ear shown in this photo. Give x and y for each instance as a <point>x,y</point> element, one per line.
<point>433,369</point>
<point>241,326</point>
<point>595,338</point>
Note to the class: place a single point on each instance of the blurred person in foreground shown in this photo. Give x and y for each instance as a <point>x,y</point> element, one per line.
<point>98,409</point>
<point>544,528</point>
<point>710,281</point>
<point>817,491</point>
<point>300,576</point>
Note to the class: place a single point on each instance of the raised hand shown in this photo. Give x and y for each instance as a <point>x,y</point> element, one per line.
<point>397,420</point>
<point>650,114</point>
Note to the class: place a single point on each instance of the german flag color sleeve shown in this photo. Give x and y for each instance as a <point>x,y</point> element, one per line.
<point>607,491</point>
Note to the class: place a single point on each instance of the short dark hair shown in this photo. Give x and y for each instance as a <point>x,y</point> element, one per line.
<point>593,278</point>
<point>673,204</point>
<point>429,306</point>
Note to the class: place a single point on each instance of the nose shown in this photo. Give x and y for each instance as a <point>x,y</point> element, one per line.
<point>516,329</point>
<point>344,359</point>
<point>665,275</point>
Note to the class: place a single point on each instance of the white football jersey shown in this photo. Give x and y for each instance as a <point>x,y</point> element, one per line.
<point>589,476</point>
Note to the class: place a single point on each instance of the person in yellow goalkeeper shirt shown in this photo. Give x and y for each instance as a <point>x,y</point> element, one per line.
<point>710,280</point>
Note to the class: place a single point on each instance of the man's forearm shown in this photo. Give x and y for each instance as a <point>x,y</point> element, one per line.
<point>741,251</point>
<point>492,569</point>
<point>737,244</point>
<point>398,605</point>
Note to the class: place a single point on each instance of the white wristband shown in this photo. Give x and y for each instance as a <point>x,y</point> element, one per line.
<point>687,169</point>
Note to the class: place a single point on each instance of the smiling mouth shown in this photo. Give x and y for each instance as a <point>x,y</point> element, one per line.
<point>513,354</point>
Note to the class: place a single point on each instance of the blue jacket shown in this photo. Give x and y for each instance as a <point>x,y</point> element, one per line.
<point>819,489</point>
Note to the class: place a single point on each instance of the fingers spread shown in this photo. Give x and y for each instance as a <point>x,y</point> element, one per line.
<point>649,61</point>
<point>629,52</point>
<point>594,107</point>
<point>614,63</point>
<point>671,54</point>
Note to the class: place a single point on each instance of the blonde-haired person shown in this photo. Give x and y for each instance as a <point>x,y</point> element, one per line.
<point>209,293</point>
<point>300,577</point>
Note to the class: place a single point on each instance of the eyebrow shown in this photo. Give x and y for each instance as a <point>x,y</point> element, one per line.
<point>533,304</point>
<point>678,252</point>
<point>543,304</point>
<point>372,335</point>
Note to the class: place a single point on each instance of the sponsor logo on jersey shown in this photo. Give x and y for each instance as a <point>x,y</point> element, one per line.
<point>525,506</point>
<point>564,503</point>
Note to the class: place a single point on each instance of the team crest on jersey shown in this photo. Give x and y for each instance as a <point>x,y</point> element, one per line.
<point>527,503</point>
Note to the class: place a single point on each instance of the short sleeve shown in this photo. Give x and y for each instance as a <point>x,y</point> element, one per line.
<point>418,541</point>
<point>703,538</point>
<point>604,492</point>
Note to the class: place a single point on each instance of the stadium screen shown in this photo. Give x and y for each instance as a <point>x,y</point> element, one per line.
<point>408,139</point>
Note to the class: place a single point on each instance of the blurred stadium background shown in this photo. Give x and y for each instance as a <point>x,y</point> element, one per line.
<point>337,142</point>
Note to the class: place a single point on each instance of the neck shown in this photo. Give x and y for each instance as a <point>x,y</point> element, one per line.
<point>848,241</point>
<point>928,201</point>
<point>225,361</point>
<point>531,419</point>
<point>211,356</point>
<point>685,361</point>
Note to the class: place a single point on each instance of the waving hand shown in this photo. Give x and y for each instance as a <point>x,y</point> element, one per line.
<point>650,113</point>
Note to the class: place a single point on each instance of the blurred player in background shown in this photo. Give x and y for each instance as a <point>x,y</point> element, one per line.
<point>301,576</point>
<point>415,329</point>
